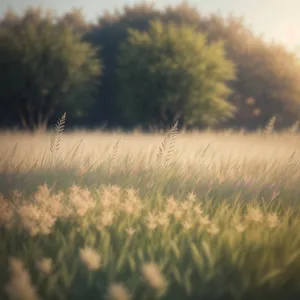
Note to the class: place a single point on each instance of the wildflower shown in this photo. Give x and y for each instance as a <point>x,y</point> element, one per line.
<point>239,227</point>
<point>187,224</point>
<point>132,205</point>
<point>162,218</point>
<point>130,231</point>
<point>55,206</point>
<point>106,202</point>
<point>254,214</point>
<point>74,189</point>
<point>20,287</point>
<point>171,205</point>
<point>178,213</point>
<point>191,197</point>
<point>16,266</point>
<point>90,258</point>
<point>35,220</point>
<point>45,265</point>
<point>272,220</point>
<point>81,200</point>
<point>204,220</point>
<point>115,189</point>
<point>213,230</point>
<point>6,212</point>
<point>118,291</point>
<point>197,209</point>
<point>107,218</point>
<point>43,192</point>
<point>129,207</point>
<point>151,225</point>
<point>151,217</point>
<point>153,276</point>
<point>186,205</point>
<point>46,223</point>
<point>131,193</point>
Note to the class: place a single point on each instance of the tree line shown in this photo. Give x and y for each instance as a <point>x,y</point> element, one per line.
<point>143,66</point>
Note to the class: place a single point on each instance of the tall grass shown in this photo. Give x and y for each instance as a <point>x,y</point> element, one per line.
<point>214,216</point>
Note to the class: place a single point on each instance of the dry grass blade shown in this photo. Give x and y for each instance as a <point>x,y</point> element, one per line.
<point>294,128</point>
<point>76,150</point>
<point>292,158</point>
<point>43,158</point>
<point>14,150</point>
<point>205,150</point>
<point>115,151</point>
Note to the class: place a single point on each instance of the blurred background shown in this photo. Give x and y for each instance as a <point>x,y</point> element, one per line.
<point>127,64</point>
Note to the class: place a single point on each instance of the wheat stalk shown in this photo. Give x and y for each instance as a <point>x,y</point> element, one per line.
<point>172,139</point>
<point>56,139</point>
<point>270,126</point>
<point>167,145</point>
<point>162,149</point>
<point>114,155</point>
<point>115,151</point>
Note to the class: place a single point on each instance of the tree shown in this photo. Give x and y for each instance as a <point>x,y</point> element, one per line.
<point>45,67</point>
<point>267,75</point>
<point>170,73</point>
<point>109,33</point>
<point>255,60</point>
<point>75,19</point>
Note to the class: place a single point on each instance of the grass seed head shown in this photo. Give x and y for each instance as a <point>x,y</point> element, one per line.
<point>45,265</point>
<point>20,287</point>
<point>117,291</point>
<point>90,258</point>
<point>153,276</point>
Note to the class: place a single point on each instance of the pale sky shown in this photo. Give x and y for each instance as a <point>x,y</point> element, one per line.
<point>276,19</point>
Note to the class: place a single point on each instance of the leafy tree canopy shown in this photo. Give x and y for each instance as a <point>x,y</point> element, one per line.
<point>45,68</point>
<point>170,72</point>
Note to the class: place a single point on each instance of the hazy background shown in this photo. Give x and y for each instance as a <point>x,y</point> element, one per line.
<point>276,19</point>
<point>257,79</point>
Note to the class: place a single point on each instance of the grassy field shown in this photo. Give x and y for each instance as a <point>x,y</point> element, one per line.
<point>94,215</point>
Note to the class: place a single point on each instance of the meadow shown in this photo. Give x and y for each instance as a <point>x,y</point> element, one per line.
<point>199,215</point>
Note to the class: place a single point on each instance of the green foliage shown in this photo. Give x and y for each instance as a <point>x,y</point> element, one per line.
<point>267,73</point>
<point>45,67</point>
<point>170,73</point>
